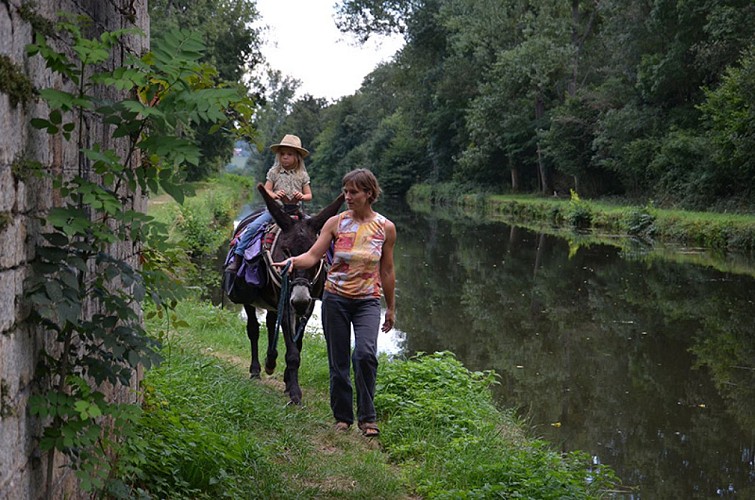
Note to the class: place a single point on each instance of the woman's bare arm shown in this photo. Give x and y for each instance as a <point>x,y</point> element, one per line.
<point>388,276</point>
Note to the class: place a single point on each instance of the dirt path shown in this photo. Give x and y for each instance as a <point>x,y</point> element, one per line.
<point>334,461</point>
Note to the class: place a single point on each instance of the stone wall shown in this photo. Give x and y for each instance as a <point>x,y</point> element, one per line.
<point>23,198</point>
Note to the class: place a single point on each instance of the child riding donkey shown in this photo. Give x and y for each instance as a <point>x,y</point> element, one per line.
<point>287,182</point>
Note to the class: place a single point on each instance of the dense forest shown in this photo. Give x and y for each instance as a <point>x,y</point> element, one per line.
<point>650,100</point>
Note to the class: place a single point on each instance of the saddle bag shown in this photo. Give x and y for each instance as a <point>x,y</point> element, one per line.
<point>244,285</point>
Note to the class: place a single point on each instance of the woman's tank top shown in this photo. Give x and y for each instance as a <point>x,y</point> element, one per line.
<point>355,271</point>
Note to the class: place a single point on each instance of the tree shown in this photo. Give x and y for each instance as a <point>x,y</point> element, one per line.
<point>275,106</point>
<point>603,96</point>
<point>233,47</point>
<point>366,18</point>
<point>729,114</point>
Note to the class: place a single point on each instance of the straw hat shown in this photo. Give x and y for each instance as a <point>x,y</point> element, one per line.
<point>290,141</point>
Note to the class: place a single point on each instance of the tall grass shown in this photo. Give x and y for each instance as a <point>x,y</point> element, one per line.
<point>209,431</point>
<point>440,421</point>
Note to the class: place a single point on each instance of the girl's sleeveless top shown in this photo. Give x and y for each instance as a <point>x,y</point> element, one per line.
<point>355,270</point>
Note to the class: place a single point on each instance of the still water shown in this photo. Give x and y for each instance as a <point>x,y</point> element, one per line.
<point>647,363</point>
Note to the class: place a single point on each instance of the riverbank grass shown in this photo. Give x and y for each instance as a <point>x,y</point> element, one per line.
<point>209,431</point>
<point>715,230</point>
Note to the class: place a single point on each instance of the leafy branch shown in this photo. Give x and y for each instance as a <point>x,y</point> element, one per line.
<point>80,266</point>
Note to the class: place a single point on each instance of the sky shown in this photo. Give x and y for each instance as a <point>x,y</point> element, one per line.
<point>303,42</point>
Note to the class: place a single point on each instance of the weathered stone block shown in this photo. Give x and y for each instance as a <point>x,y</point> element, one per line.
<point>12,238</point>
<point>7,190</point>
<point>8,299</point>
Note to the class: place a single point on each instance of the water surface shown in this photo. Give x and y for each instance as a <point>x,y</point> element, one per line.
<point>647,363</point>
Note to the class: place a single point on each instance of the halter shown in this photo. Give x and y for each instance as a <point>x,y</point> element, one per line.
<point>275,275</point>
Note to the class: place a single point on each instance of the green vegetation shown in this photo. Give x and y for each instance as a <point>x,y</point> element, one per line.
<point>85,285</point>
<point>714,230</point>
<point>14,83</point>
<point>208,431</point>
<point>648,101</point>
<point>198,227</point>
<point>227,28</point>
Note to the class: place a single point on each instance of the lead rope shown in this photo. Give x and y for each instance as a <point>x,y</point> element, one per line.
<point>284,306</point>
<point>282,301</point>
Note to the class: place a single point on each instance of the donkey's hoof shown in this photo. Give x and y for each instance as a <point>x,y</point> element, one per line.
<point>254,375</point>
<point>269,367</point>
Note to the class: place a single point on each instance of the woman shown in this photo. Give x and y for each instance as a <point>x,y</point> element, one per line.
<point>362,268</point>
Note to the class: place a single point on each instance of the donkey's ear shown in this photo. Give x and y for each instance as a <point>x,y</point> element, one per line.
<point>319,220</point>
<point>283,220</point>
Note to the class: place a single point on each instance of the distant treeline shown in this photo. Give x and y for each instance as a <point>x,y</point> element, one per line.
<point>645,99</point>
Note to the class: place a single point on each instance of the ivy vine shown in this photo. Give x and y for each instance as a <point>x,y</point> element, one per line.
<point>78,267</point>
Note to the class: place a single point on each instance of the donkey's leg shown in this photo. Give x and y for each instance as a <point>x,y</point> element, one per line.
<point>272,348</point>
<point>253,332</point>
<point>293,361</point>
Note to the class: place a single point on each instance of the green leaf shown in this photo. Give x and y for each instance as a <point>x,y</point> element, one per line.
<point>173,190</point>
<point>54,291</point>
<point>56,117</point>
<point>57,239</point>
<point>39,123</point>
<point>58,99</point>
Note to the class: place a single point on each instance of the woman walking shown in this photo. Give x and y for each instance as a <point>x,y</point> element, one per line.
<point>362,271</point>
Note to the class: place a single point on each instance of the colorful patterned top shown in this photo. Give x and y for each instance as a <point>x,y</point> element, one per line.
<point>355,272</point>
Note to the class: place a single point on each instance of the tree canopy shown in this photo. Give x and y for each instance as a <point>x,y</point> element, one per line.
<point>645,99</point>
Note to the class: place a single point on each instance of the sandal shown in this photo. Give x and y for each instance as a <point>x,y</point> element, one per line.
<point>342,427</point>
<point>369,429</point>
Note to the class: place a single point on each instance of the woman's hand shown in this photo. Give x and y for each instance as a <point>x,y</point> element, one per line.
<point>390,320</point>
<point>283,264</point>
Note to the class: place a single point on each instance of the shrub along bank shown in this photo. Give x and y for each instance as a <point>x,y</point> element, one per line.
<point>198,227</point>
<point>720,231</point>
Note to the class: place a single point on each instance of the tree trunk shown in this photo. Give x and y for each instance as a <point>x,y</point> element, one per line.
<point>572,88</point>
<point>543,175</point>
<point>514,179</point>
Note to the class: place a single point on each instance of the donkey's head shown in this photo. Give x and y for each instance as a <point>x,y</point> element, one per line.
<point>296,237</point>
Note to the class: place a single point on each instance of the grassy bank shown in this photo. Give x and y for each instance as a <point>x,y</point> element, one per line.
<point>720,231</point>
<point>209,431</point>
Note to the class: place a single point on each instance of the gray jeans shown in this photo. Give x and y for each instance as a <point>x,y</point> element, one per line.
<point>339,315</point>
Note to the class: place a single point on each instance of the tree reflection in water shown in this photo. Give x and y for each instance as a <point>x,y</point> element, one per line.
<point>645,363</point>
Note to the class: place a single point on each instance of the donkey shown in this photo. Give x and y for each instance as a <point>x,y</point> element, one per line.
<point>296,236</point>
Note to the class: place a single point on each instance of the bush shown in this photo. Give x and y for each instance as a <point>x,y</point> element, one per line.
<point>442,423</point>
<point>639,222</point>
<point>578,214</point>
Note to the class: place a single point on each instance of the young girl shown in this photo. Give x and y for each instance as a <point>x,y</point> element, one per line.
<point>287,181</point>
